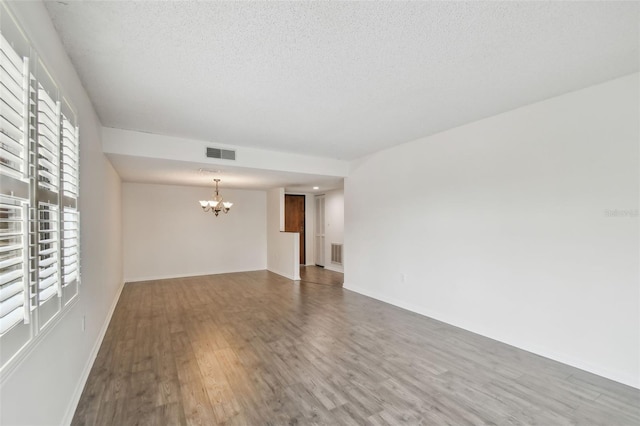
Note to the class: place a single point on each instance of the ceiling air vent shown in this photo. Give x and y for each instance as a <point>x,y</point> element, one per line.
<point>224,154</point>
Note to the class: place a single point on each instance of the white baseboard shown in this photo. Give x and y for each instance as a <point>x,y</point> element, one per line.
<point>73,404</point>
<point>286,275</point>
<point>197,274</point>
<point>170,277</point>
<point>599,370</point>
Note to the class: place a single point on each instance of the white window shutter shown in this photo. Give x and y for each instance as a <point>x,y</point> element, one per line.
<point>48,249</point>
<point>70,242</point>
<point>70,168</point>
<point>39,189</point>
<point>70,160</point>
<point>48,170</point>
<point>48,142</point>
<point>14,94</point>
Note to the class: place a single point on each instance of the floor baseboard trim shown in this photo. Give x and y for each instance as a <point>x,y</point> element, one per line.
<point>282,274</point>
<point>75,399</point>
<point>199,274</point>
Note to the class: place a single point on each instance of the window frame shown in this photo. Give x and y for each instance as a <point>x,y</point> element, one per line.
<point>45,190</point>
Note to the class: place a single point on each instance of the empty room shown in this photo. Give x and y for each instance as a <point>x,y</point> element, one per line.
<point>319,213</point>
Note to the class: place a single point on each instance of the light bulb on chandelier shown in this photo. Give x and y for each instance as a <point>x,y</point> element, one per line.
<point>216,205</point>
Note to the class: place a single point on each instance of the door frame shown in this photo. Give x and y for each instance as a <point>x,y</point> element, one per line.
<point>303,243</point>
<point>319,230</point>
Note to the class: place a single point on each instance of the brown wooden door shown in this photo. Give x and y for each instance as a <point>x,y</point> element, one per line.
<point>294,219</point>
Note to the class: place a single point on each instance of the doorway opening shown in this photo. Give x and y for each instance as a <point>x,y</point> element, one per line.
<point>294,219</point>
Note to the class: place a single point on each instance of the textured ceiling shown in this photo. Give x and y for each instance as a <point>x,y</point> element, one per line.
<point>335,79</point>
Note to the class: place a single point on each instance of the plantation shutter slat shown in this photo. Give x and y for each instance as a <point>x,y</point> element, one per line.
<point>10,157</point>
<point>46,263</point>
<point>14,144</point>
<point>16,287</point>
<point>11,304</point>
<point>46,132</point>
<point>9,277</point>
<point>47,251</point>
<point>9,128</point>
<point>11,115</point>
<point>47,293</point>
<point>11,98</point>
<point>12,80</point>
<point>8,248</point>
<point>11,319</point>
<point>47,282</point>
<point>11,261</point>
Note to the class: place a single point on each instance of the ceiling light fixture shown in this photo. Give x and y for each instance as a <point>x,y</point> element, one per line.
<point>316,187</point>
<point>216,205</point>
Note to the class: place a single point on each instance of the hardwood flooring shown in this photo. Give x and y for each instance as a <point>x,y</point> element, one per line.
<point>318,275</point>
<point>257,349</point>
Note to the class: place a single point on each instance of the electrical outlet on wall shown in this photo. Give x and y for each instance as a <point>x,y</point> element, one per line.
<point>403,277</point>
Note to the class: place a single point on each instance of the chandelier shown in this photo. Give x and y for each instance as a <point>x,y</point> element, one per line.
<point>216,205</point>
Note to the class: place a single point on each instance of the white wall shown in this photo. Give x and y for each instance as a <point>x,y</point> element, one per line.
<point>309,228</point>
<point>45,387</point>
<point>504,227</point>
<point>334,226</point>
<point>167,235</point>
<point>283,248</point>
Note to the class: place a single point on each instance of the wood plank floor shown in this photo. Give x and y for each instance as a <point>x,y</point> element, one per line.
<point>257,349</point>
<point>319,275</point>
